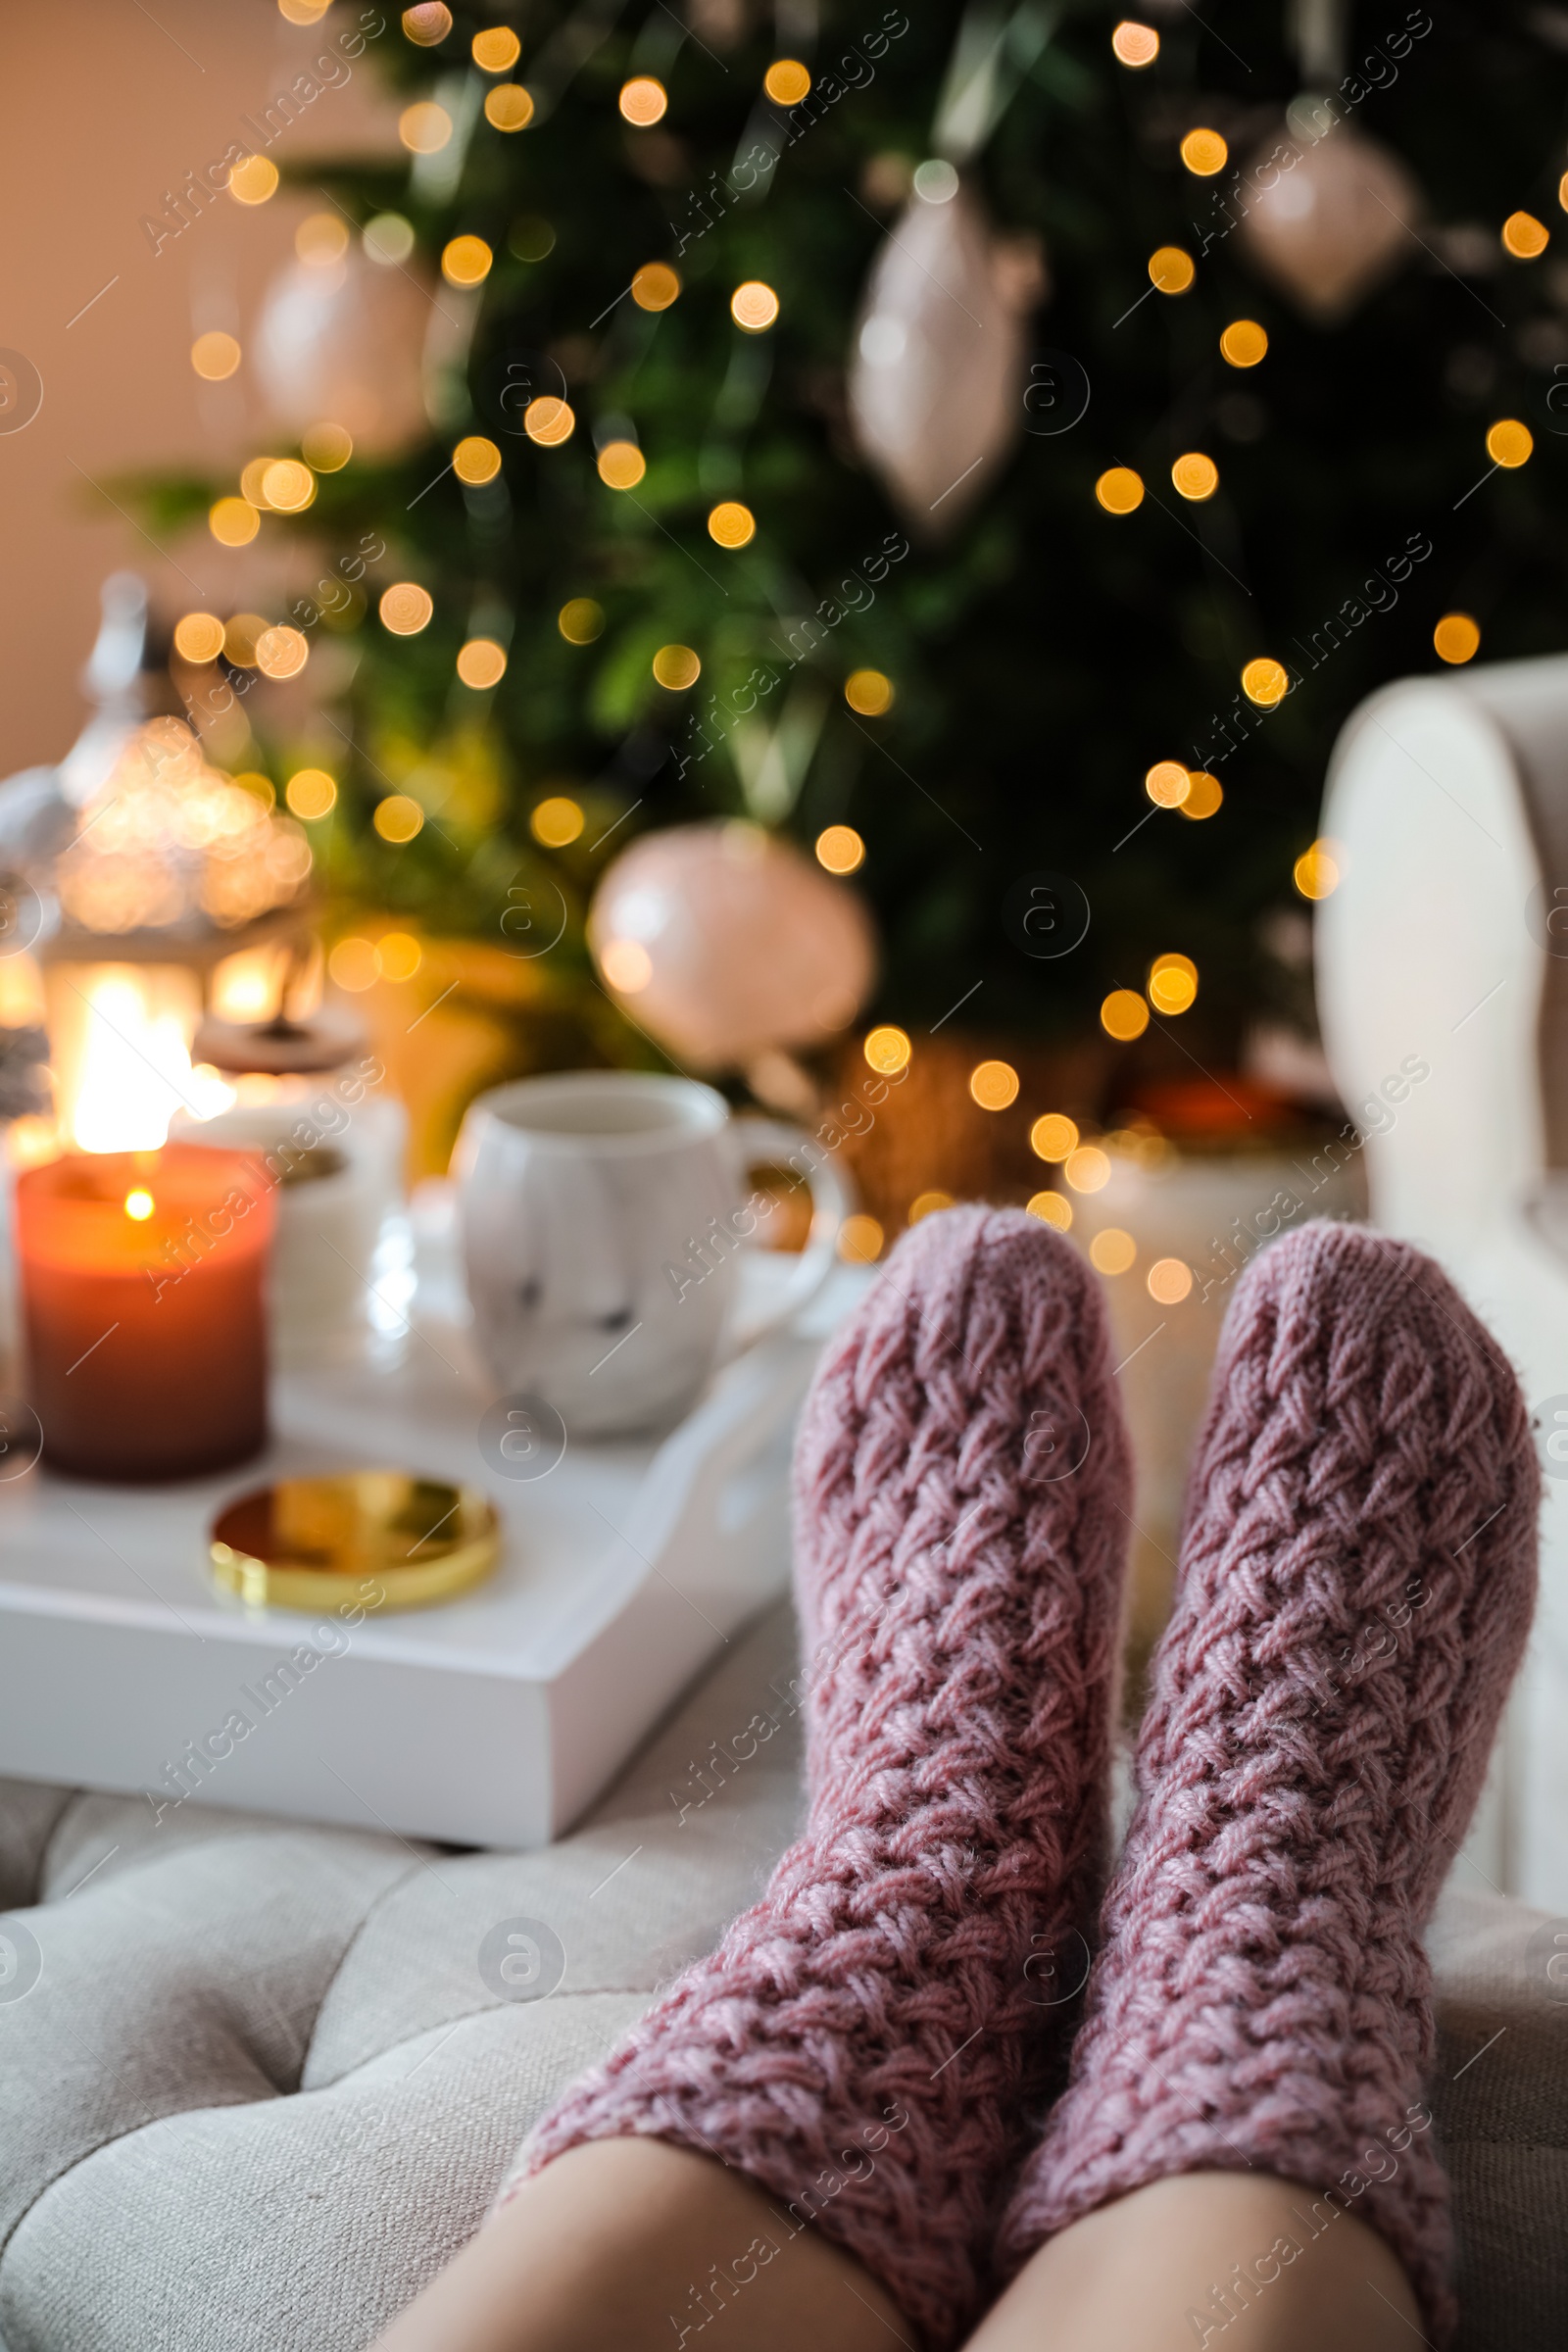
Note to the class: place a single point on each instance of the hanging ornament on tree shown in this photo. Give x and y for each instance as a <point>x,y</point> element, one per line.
<point>936,369</point>
<point>342,338</point>
<point>725,943</point>
<point>1334,216</point>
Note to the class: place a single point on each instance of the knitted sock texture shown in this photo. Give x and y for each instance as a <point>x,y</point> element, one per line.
<point>1357,1574</point>
<point>865,2042</point>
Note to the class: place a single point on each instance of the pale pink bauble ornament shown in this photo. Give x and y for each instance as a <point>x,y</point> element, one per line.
<point>344,344</point>
<point>1332,225</point>
<point>936,373</point>
<point>724,942</point>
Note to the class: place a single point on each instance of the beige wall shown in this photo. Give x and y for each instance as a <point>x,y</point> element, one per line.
<point>107,104</point>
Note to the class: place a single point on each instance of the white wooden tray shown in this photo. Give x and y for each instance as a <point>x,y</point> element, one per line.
<point>491,1720</point>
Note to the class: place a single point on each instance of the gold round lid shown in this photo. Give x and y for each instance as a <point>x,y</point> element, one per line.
<point>314,1542</point>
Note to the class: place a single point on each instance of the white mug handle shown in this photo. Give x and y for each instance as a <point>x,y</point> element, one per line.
<point>755,1138</point>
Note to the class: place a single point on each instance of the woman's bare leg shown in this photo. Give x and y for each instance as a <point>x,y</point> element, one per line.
<point>635,2245</point>
<point>1235,2262</point>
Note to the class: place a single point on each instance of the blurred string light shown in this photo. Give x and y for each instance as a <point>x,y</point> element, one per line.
<point>1124,1015</point>
<point>643,101</point>
<point>482,664</point>
<point>1195,475</point>
<point>399,954</point>
<point>233,521</point>
<point>1204,795</point>
<point>621,464</point>
<point>1088,1168</point>
<point>427,24</point>
<point>1112,1251</point>
<point>321,240</point>
<point>1051,1208</point>
<point>397,817</point>
<point>1134,44</point>
<point>1168,784</point>
<point>281,652</point>
<point>1172,983</point>
<point>497,49</point>
<point>928,1204</point>
<point>870,692</point>
<point>199,637</point>
<point>1265,681</point>
<point>1243,343</point>
<point>994,1085</point>
<point>354,964</point>
<point>303,12</point>
<point>406,607</point>
<point>252,476</point>
<point>754,306</point>
<point>1171,269</point>
<point>240,633</point>
<point>475,460</point>
<point>1119,490</point>
<point>840,850</point>
<point>556,822</point>
<point>1509,442</point>
<point>730,525</point>
<point>1525,238</point>
<point>288,486</point>
<point>580,620</point>
<point>214,356</point>
<point>310,794</point>
<point>1053,1137</point>
<point>1456,638</point>
<point>1169,1280</point>
<point>508,107</point>
<point>388,239</point>
<point>253,179</point>
<point>1205,153</point>
<point>1316,872</point>
<point>549,422</point>
<point>655,286</point>
<point>675,668</point>
<point>786,81</point>
<point>424,128</point>
<point>465,262</point>
<point>861,1240</point>
<point>888,1049</point>
<point>326,446</point>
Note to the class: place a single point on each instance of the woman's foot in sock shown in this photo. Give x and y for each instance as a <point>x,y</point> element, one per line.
<point>865,2041</point>
<point>1357,1575</point>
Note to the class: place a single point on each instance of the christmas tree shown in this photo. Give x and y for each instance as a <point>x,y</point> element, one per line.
<point>1280,427</point>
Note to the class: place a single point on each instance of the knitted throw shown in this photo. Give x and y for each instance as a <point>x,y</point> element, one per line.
<point>865,2042</point>
<point>1357,1574</point>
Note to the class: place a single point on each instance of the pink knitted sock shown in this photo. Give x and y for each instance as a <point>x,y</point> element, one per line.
<point>865,2041</point>
<point>1356,1581</point>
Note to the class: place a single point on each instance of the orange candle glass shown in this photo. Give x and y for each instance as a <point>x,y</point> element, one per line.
<point>142,1289</point>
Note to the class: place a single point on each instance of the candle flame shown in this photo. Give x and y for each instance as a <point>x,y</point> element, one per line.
<point>139,1204</point>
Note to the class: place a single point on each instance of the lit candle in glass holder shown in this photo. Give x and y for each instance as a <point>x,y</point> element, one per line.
<point>142,1278</point>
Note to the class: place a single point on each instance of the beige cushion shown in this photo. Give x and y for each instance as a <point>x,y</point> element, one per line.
<point>261,2090</point>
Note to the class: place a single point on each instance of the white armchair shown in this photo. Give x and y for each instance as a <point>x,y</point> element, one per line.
<point>1447,939</point>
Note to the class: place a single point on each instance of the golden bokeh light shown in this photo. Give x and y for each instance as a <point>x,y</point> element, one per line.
<point>288,486</point>
<point>233,521</point>
<point>888,1049</point>
<point>427,22</point>
<point>497,49</point>
<point>730,525</point>
<point>1124,1015</point>
<point>1265,681</point>
<point>1168,784</point>
<point>580,620</point>
<point>261,788</point>
<point>199,637</point>
<point>1119,490</point>
<point>482,664</point>
<point>424,128</point>
<point>406,607</point>
<point>321,239</point>
<point>656,286</point>
<point>310,793</point>
<point>1051,1208</point>
<point>1509,442</point>
<point>253,179</point>
<point>281,652</point>
<point>354,964</point>
<point>1053,1137</point>
<point>621,464</point>
<point>1134,44</point>
<point>303,12</point>
<point>928,1204</point>
<point>326,446</point>
<point>1204,795</point>
<point>1525,238</point>
<point>1172,983</point>
<point>1195,475</point>
<point>676,666</point>
<point>1169,1280</point>
<point>556,822</point>
<point>627,965</point>
<point>214,356</point>
<point>465,261</point>
<point>840,850</point>
<point>251,479</point>
<point>994,1085</point>
<point>397,817</point>
<point>1171,269</point>
<point>475,459</point>
<point>508,107</point>
<point>140,1203</point>
<point>1112,1251</point>
<point>1243,343</point>
<point>870,691</point>
<point>1316,872</point>
<point>859,1240</point>
<point>1205,153</point>
<point>1087,1169</point>
<point>786,81</point>
<point>1456,638</point>
<point>399,954</point>
<point>240,635</point>
<point>754,306</point>
<point>549,422</point>
<point>643,100</point>
<point>388,239</point>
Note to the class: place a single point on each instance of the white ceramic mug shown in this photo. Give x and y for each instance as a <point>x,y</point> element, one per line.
<point>601,1212</point>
